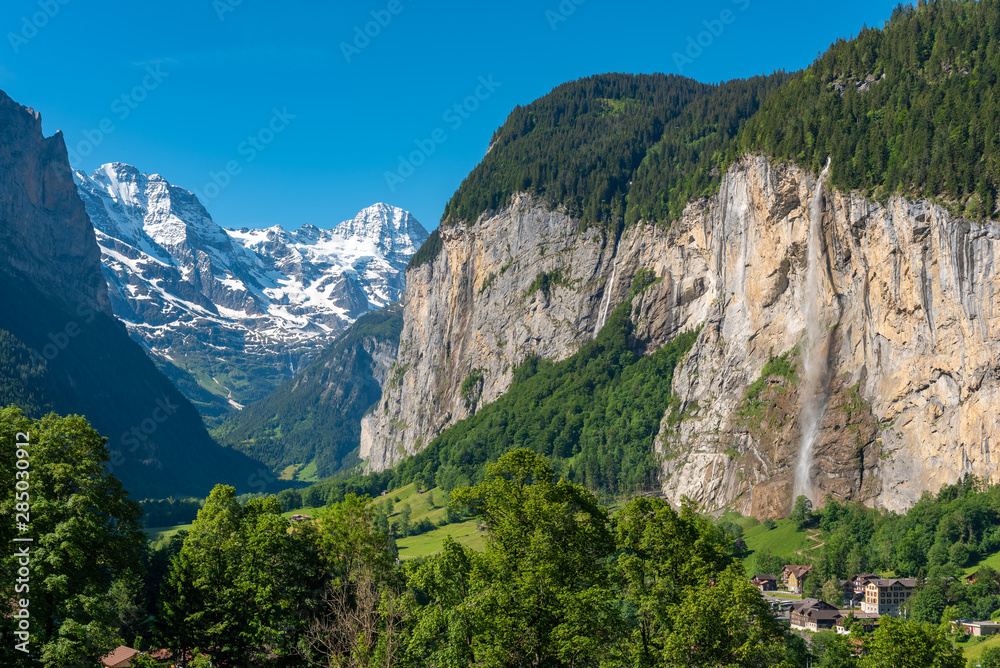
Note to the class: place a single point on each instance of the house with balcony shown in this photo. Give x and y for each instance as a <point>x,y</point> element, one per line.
<point>982,628</point>
<point>845,621</point>
<point>793,576</point>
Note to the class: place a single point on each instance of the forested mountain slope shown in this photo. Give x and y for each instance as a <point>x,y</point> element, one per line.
<point>310,425</point>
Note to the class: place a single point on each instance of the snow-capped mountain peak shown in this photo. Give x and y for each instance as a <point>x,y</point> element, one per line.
<point>388,226</point>
<point>184,285</point>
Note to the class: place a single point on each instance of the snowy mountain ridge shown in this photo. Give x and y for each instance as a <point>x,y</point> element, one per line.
<point>237,311</point>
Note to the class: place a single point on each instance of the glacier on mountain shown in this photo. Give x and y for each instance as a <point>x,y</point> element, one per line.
<point>246,306</point>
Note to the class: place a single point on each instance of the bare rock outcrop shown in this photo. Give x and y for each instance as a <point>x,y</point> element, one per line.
<point>44,229</point>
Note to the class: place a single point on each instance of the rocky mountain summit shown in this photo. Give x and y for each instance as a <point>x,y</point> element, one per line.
<point>45,232</point>
<point>62,350</point>
<point>236,312</point>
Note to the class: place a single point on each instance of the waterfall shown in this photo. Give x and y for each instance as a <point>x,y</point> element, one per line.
<point>602,314</point>
<point>813,390</point>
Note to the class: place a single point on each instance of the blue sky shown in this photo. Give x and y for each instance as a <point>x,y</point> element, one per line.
<point>288,113</point>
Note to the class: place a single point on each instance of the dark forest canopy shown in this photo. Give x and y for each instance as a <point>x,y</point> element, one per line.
<point>911,108</point>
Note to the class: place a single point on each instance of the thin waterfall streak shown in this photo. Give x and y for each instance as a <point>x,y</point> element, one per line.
<point>814,392</point>
<point>602,315</point>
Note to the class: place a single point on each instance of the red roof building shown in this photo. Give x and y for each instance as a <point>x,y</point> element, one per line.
<point>120,657</point>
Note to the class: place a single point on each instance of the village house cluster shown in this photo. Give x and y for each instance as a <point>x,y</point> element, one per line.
<point>866,598</point>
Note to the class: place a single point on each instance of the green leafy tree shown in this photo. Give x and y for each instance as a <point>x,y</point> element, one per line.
<point>856,561</point>
<point>833,650</point>
<point>802,511</point>
<point>663,554</point>
<point>959,554</point>
<point>908,644</point>
<point>927,604</point>
<point>832,592</point>
<point>762,561</point>
<point>539,594</point>
<point>726,624</point>
<point>812,587</point>
<point>349,538</point>
<point>990,658</point>
<point>452,514</point>
<point>144,661</point>
<point>237,585</point>
<point>445,629</point>
<point>404,519</point>
<point>85,538</point>
<point>359,615</point>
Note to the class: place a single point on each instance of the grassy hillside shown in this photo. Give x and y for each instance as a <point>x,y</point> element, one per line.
<point>784,539</point>
<point>974,649</point>
<point>430,505</point>
<point>430,543</point>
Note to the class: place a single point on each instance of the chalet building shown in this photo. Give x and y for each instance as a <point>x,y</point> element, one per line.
<point>793,576</point>
<point>121,657</point>
<point>854,588</point>
<point>983,628</point>
<point>868,622</point>
<point>811,614</point>
<point>765,582</point>
<point>972,577</point>
<point>883,596</point>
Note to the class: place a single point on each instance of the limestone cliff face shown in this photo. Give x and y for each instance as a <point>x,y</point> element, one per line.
<point>474,310</point>
<point>906,298</point>
<point>44,229</point>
